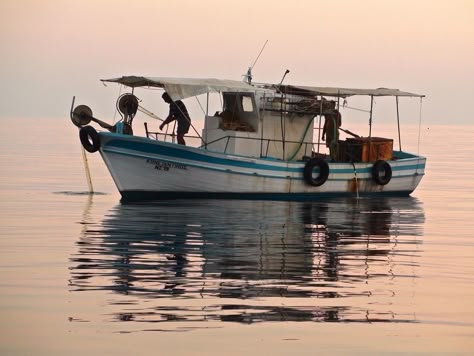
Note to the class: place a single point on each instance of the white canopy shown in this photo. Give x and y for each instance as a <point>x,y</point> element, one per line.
<point>182,88</point>
<point>343,92</point>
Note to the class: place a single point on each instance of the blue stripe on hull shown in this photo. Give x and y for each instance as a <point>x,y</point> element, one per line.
<point>333,171</point>
<point>139,195</point>
<point>144,149</point>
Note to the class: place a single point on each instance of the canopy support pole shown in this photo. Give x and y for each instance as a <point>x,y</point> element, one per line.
<point>320,116</point>
<point>398,123</point>
<point>204,140</point>
<point>261,126</point>
<point>419,126</point>
<point>370,126</point>
<point>283,121</point>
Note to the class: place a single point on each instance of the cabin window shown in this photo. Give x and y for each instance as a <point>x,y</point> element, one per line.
<point>239,112</point>
<point>247,103</point>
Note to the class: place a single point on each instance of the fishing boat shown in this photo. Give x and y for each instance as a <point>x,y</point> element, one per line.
<point>265,141</point>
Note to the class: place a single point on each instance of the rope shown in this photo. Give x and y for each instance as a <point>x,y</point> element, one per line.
<point>204,112</point>
<point>88,172</point>
<point>149,113</point>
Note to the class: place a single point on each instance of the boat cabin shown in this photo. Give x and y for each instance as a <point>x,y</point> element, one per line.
<point>264,124</point>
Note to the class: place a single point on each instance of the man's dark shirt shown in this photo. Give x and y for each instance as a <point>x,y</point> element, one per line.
<point>180,113</point>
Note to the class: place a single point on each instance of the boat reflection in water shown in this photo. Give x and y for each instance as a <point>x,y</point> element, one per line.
<point>341,260</point>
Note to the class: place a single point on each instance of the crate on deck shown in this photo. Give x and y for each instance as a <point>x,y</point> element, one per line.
<point>365,149</point>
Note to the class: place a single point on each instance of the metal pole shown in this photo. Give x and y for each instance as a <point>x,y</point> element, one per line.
<point>370,117</point>
<point>398,123</point>
<point>261,122</point>
<point>370,126</point>
<point>419,125</point>
<point>282,123</point>
<point>146,129</point>
<point>204,138</point>
<point>319,128</point>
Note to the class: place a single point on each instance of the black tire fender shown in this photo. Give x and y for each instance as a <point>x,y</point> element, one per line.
<point>323,175</point>
<point>381,172</point>
<point>90,139</point>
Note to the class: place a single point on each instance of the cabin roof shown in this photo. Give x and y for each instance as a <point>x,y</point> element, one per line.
<point>182,88</point>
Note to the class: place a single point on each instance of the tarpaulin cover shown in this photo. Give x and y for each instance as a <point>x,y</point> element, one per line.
<point>182,88</point>
<point>343,92</point>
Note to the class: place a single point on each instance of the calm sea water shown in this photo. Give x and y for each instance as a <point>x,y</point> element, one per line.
<point>84,273</point>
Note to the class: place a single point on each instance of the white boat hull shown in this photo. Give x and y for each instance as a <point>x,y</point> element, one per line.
<point>146,169</point>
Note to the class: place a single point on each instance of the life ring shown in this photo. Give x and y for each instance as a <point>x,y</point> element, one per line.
<point>323,175</point>
<point>381,172</point>
<point>90,139</point>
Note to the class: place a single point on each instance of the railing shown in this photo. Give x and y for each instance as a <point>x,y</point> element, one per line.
<point>167,137</point>
<point>264,142</point>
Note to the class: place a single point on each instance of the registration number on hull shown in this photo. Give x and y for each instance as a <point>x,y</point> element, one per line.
<point>164,166</point>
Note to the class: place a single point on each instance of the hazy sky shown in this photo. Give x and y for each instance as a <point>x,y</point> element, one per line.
<point>54,49</point>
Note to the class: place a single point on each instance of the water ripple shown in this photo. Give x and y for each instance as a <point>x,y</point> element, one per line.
<point>340,260</point>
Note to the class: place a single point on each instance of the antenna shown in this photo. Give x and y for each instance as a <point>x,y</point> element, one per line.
<point>248,76</point>
<point>256,59</point>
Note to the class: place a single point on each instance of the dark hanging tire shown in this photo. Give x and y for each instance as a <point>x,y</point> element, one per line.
<point>323,173</point>
<point>381,172</point>
<point>90,139</point>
